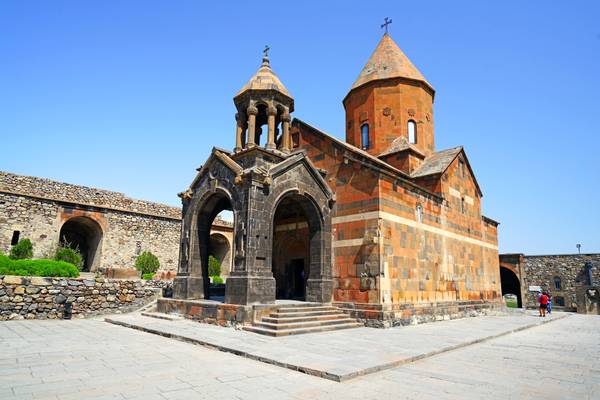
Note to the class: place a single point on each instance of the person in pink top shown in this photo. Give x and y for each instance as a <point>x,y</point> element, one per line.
<point>543,304</point>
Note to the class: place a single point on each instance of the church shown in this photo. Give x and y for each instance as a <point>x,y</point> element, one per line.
<point>382,225</point>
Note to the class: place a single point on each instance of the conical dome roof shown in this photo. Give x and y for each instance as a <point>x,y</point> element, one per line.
<point>264,79</point>
<point>388,61</point>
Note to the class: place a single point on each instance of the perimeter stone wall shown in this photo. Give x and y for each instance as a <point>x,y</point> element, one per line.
<point>542,270</point>
<point>44,298</point>
<point>37,208</point>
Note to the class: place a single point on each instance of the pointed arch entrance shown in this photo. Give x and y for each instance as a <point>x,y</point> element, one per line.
<point>85,235</point>
<point>297,245</point>
<point>204,244</point>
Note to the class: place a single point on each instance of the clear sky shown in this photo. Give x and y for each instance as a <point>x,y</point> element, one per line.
<point>132,95</point>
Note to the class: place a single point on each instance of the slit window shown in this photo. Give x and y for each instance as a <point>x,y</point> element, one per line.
<point>15,238</point>
<point>364,136</point>
<point>461,168</point>
<point>462,205</point>
<point>412,132</point>
<point>557,283</point>
<point>419,213</point>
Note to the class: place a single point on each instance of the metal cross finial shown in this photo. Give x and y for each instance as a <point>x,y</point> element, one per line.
<point>266,51</point>
<point>385,24</point>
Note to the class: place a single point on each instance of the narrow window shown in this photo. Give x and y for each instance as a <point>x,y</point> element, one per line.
<point>412,132</point>
<point>15,238</point>
<point>557,283</point>
<point>559,301</point>
<point>462,205</point>
<point>364,136</point>
<point>419,213</point>
<point>138,248</point>
<point>461,168</point>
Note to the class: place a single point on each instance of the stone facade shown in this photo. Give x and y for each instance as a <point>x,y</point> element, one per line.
<point>558,274</point>
<point>44,298</point>
<point>113,228</point>
<point>400,221</point>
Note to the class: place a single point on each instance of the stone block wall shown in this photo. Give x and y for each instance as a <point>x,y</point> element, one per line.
<point>542,271</point>
<point>38,208</point>
<point>385,253</point>
<point>44,298</point>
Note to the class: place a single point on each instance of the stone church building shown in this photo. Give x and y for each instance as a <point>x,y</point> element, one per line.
<point>381,224</point>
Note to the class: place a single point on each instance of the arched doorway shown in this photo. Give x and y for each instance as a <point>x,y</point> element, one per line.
<point>510,284</point>
<point>220,248</point>
<point>85,235</point>
<point>208,244</point>
<point>297,245</point>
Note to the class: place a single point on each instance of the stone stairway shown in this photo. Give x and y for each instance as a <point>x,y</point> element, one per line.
<point>295,319</point>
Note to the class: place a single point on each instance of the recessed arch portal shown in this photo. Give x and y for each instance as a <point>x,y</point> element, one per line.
<point>85,235</point>
<point>297,245</point>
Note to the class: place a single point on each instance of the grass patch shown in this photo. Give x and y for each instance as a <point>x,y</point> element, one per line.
<point>50,268</point>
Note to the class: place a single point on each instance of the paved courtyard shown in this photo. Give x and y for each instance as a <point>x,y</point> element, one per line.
<point>343,354</point>
<point>92,359</point>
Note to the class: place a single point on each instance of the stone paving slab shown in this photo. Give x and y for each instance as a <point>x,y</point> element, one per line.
<point>342,355</point>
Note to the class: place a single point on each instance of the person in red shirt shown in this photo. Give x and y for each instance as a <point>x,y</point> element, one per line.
<point>543,304</point>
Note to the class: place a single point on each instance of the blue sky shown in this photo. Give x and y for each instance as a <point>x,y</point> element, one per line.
<point>132,95</point>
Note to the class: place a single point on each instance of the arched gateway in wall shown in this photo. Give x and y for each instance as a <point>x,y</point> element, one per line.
<point>85,235</point>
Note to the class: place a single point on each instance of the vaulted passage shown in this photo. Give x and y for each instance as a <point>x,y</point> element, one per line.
<point>215,245</point>
<point>85,235</point>
<point>510,284</point>
<point>296,225</point>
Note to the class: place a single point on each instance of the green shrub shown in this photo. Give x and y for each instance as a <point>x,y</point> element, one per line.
<point>67,254</point>
<point>217,280</point>
<point>22,250</point>
<point>148,276</point>
<point>214,266</point>
<point>50,268</point>
<point>147,263</point>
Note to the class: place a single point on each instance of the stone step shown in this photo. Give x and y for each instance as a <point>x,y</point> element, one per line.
<point>304,319</point>
<point>298,331</point>
<point>305,309</point>
<point>305,324</point>
<point>301,304</point>
<point>168,317</point>
<point>303,313</point>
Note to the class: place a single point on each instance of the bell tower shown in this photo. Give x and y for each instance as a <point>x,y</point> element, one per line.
<point>390,105</point>
<point>263,106</point>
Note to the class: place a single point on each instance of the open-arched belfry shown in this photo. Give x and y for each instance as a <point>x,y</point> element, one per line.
<point>255,182</point>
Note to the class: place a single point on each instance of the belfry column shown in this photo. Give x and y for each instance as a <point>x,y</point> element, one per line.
<point>271,134</point>
<point>285,125</point>
<point>239,132</point>
<point>251,111</point>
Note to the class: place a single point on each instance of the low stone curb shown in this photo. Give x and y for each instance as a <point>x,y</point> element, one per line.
<point>325,374</point>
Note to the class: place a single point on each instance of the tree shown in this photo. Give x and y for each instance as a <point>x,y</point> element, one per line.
<point>22,250</point>
<point>68,254</point>
<point>147,263</point>
<point>214,266</point>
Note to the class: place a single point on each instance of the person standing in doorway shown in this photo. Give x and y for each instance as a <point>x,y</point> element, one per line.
<point>543,304</point>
